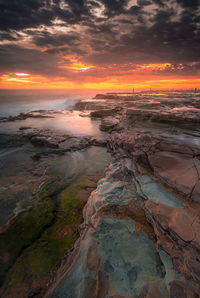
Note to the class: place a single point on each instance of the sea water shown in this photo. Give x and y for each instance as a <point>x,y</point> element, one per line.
<point>13,102</point>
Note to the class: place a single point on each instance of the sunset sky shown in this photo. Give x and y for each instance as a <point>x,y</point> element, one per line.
<point>99,44</point>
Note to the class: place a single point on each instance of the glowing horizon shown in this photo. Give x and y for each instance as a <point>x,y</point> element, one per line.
<point>100,45</point>
<point>20,81</point>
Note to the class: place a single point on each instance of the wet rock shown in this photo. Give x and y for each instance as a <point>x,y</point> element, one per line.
<point>36,156</point>
<point>24,116</point>
<point>173,115</point>
<point>109,124</point>
<point>42,141</point>
<point>125,274</point>
<point>141,113</point>
<point>24,127</point>
<point>175,147</point>
<point>98,142</point>
<point>177,291</point>
<point>181,221</point>
<point>155,192</point>
<point>139,238</point>
<point>182,227</point>
<point>176,164</point>
<point>88,106</point>
<point>114,248</point>
<point>105,113</point>
<point>154,292</point>
<point>106,96</point>
<point>11,140</point>
<point>178,170</point>
<point>195,196</point>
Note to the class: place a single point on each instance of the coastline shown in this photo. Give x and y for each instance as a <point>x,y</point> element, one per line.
<point>148,196</point>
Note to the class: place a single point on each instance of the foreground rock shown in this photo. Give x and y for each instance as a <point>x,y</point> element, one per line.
<point>173,115</point>
<point>24,116</point>
<point>140,236</point>
<point>109,124</point>
<point>140,231</point>
<point>177,164</point>
<point>182,227</point>
<point>105,113</point>
<point>51,142</point>
<point>117,254</point>
<point>33,243</point>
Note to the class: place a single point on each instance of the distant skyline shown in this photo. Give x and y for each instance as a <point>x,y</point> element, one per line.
<point>99,44</point>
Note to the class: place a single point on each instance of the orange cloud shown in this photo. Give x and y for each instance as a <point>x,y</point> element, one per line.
<point>76,65</point>
<point>90,77</point>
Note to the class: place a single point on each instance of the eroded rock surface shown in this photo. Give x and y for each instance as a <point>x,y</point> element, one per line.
<point>140,236</point>
<point>117,254</point>
<point>141,221</point>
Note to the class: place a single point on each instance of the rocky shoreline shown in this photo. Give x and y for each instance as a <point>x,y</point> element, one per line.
<point>140,231</point>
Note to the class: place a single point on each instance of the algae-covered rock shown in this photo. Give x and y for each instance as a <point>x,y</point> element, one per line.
<point>33,245</point>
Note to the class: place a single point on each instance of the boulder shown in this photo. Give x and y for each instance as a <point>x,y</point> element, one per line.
<point>108,124</point>
<point>42,141</point>
<point>104,113</point>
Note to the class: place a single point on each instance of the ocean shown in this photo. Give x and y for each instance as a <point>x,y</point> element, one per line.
<point>13,102</point>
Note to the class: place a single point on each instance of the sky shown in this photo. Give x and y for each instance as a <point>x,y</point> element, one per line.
<point>99,44</point>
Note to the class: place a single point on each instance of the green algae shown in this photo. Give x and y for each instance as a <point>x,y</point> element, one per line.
<point>9,141</point>
<point>44,254</point>
<point>39,259</point>
<point>34,245</point>
<point>26,228</point>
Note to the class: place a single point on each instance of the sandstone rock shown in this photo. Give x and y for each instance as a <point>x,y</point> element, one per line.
<point>104,113</point>
<point>88,105</point>
<point>181,226</point>
<point>179,221</point>
<point>178,170</point>
<point>42,141</point>
<point>174,116</point>
<point>196,193</point>
<point>115,250</point>
<point>24,127</point>
<point>108,124</point>
<point>36,156</point>
<point>105,96</point>
<point>24,116</point>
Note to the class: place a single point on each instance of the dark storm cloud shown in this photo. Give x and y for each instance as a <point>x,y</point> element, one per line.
<point>17,59</point>
<point>107,32</point>
<point>114,7</point>
<point>7,36</point>
<point>160,3</point>
<point>192,4</point>
<point>143,2</point>
<point>47,39</point>
<point>20,14</point>
<point>167,35</point>
<point>66,50</point>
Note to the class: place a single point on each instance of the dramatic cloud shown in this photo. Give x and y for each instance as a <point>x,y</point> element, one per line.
<point>85,40</point>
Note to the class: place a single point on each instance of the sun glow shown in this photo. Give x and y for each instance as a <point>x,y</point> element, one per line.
<point>79,66</point>
<point>76,65</point>
<point>100,78</point>
<point>21,74</point>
